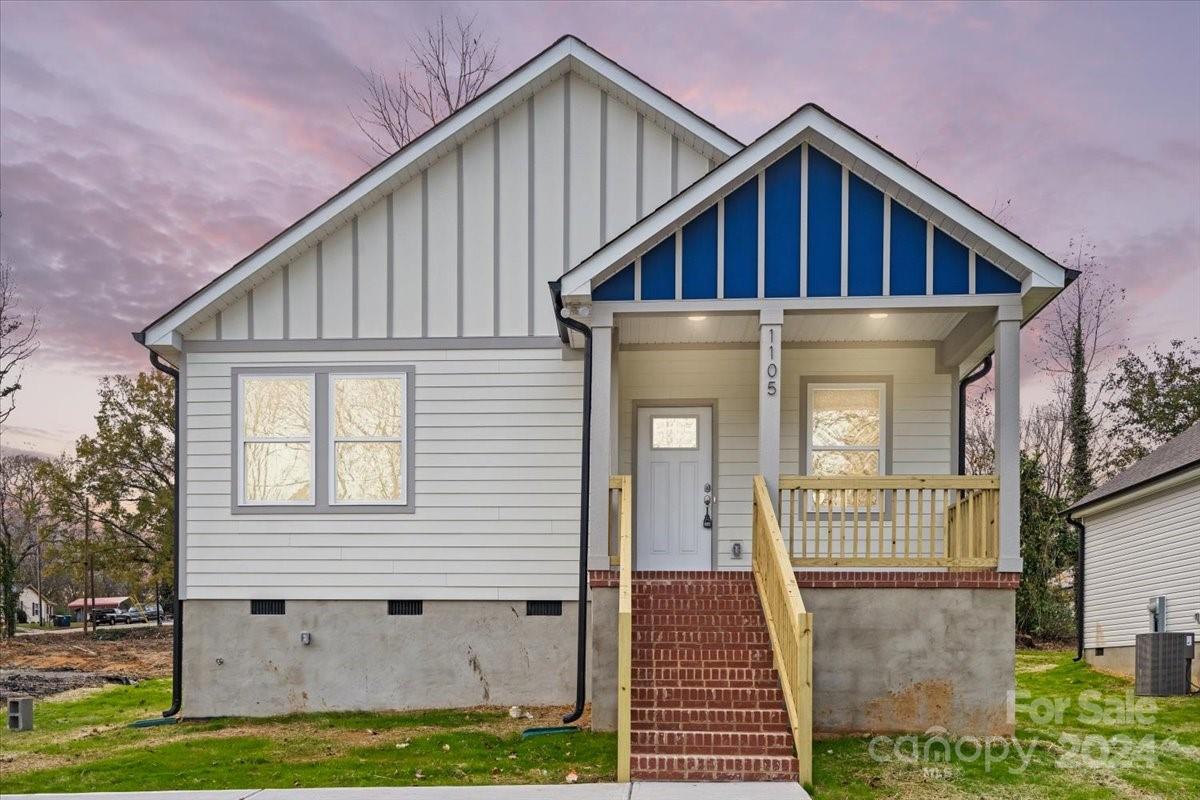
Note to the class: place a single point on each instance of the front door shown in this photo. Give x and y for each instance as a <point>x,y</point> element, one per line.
<point>674,477</point>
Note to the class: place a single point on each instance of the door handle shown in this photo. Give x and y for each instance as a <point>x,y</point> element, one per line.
<point>708,498</point>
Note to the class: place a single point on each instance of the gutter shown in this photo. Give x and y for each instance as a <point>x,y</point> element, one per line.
<point>177,618</point>
<point>980,372</point>
<point>1079,553</point>
<point>565,323</point>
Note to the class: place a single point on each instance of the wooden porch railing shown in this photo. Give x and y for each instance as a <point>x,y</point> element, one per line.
<point>789,624</point>
<point>622,487</point>
<point>891,520</point>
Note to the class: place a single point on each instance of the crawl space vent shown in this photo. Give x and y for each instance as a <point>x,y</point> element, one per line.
<point>267,607</point>
<point>406,608</point>
<point>543,608</point>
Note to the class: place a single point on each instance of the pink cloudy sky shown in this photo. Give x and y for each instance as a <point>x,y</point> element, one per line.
<point>145,148</point>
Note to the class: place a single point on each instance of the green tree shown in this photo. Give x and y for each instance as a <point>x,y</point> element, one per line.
<point>23,516</point>
<point>1158,397</point>
<point>1048,550</point>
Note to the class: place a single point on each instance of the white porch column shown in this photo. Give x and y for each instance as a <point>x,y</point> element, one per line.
<point>1008,434</point>
<point>770,390</point>
<point>603,462</point>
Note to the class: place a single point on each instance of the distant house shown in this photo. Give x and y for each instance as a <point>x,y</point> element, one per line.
<point>34,604</point>
<point>1141,542</point>
<point>97,603</point>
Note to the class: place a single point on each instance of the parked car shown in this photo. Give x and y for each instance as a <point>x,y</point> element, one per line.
<point>132,615</point>
<point>153,612</point>
<point>104,616</point>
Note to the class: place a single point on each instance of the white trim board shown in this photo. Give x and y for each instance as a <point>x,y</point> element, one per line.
<point>568,54</point>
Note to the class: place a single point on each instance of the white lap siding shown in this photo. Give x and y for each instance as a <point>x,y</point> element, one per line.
<point>496,466</point>
<point>1144,549</point>
<point>920,438</point>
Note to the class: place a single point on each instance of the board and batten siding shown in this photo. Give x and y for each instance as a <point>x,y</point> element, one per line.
<point>920,439</point>
<point>467,245</point>
<point>496,466</point>
<point>1146,548</point>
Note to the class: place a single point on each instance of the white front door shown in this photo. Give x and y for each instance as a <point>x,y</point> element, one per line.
<point>674,474</point>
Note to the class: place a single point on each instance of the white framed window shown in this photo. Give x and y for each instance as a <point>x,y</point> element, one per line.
<point>276,439</point>
<point>674,433</point>
<point>846,436</point>
<point>368,448</point>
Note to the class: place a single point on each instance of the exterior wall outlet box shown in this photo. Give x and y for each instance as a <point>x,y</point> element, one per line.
<point>305,638</point>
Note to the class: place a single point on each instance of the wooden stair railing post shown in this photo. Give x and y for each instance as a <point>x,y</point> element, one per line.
<point>623,484</point>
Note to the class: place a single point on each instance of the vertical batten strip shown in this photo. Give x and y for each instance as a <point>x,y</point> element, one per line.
<point>721,248</point>
<point>250,314</point>
<point>637,278</point>
<point>391,268</point>
<point>679,264</point>
<point>641,123</point>
<point>354,278</point>
<point>495,228</point>
<point>845,245</point>
<point>425,253</point>
<point>566,220</point>
<point>674,165</point>
<point>603,167</point>
<point>762,233</point>
<point>530,250</point>
<point>321,290</point>
<point>458,210</point>
<point>804,219</point>
<point>220,333</point>
<point>928,257</point>
<point>287,302</point>
<point>971,272</point>
<point>887,246</point>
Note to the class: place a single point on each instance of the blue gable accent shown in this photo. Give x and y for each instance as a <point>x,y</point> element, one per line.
<point>741,241</point>
<point>824,225</point>
<point>951,272</point>
<point>907,252</point>
<point>700,256</point>
<point>781,267</point>
<point>658,271</point>
<point>618,287</point>
<point>990,279</point>
<point>865,268</point>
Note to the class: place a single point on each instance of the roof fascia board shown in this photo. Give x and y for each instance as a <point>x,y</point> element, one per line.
<point>551,62</point>
<point>1042,271</point>
<point>1159,483</point>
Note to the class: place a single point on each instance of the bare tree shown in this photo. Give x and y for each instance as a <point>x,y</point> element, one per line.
<point>18,340</point>
<point>449,67</point>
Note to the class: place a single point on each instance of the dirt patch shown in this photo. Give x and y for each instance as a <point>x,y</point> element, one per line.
<point>40,683</point>
<point>134,653</point>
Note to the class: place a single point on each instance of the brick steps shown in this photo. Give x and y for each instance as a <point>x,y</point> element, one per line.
<point>706,701</point>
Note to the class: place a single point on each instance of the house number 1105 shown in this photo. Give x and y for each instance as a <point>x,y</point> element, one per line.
<point>772,367</point>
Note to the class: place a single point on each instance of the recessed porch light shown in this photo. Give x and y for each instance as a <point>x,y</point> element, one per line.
<point>698,319</point>
<point>878,315</point>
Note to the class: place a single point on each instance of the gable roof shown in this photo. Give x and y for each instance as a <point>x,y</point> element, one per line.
<point>870,161</point>
<point>1176,455</point>
<point>567,54</point>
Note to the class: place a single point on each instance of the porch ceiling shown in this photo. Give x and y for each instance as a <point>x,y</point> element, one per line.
<point>923,327</point>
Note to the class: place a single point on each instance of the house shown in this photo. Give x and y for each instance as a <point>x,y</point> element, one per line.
<point>35,606</point>
<point>93,604</point>
<point>421,424</point>
<point>1140,536</point>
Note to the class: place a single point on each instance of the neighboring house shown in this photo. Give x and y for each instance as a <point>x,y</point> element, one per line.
<point>34,605</point>
<point>78,605</point>
<point>1141,536</point>
<point>382,416</point>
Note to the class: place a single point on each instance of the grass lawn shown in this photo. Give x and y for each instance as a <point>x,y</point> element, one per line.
<point>81,744</point>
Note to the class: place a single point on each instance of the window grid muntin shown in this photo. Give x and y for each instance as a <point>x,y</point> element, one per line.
<point>310,440</point>
<point>335,439</point>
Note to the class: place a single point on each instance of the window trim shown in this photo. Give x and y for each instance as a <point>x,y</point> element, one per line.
<point>241,440</point>
<point>320,373</point>
<point>884,428</point>
<point>402,439</point>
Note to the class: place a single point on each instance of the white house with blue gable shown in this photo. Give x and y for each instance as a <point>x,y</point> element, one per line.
<point>417,426</point>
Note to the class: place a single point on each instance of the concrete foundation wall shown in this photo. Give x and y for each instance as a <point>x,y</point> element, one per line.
<point>603,658</point>
<point>1122,661</point>
<point>457,654</point>
<point>906,660</point>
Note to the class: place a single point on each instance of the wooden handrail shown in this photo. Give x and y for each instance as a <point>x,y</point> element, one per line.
<point>623,484</point>
<point>789,624</point>
<point>891,520</point>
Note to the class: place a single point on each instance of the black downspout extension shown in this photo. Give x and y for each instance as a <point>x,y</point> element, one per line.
<point>581,643</point>
<point>177,621</point>
<point>1079,587</point>
<point>984,368</point>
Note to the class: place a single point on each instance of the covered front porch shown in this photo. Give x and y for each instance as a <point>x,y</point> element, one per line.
<point>851,417</point>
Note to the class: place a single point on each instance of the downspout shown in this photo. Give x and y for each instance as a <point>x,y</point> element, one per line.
<point>983,369</point>
<point>177,621</point>
<point>564,320</point>
<point>1079,553</point>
